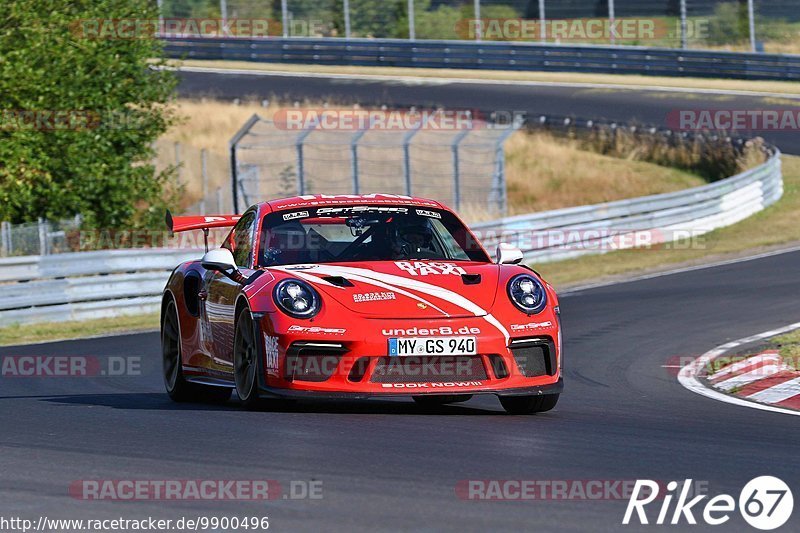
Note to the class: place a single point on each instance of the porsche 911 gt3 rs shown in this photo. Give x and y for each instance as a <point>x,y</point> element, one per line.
<point>358,296</point>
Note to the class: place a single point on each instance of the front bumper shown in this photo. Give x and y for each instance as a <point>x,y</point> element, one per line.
<point>355,364</point>
<point>553,388</point>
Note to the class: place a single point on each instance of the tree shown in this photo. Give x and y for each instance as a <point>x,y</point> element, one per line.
<point>80,111</point>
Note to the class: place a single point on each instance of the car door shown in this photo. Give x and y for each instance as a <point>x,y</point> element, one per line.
<point>221,293</point>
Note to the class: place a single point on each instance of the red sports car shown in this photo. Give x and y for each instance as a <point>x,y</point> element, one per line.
<point>358,296</point>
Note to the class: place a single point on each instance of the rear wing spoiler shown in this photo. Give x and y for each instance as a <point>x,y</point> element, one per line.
<point>203,222</point>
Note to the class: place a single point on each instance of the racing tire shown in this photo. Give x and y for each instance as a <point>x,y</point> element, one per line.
<point>178,389</point>
<point>526,405</point>
<point>433,401</point>
<point>245,360</point>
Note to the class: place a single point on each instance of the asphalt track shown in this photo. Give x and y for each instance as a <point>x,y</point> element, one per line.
<point>390,465</point>
<point>643,106</point>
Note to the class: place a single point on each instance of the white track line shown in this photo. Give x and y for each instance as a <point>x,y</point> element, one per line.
<point>425,80</point>
<point>689,376</point>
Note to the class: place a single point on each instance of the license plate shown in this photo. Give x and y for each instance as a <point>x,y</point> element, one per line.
<point>432,346</point>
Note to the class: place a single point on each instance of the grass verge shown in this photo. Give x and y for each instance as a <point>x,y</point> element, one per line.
<point>634,81</point>
<point>777,225</point>
<point>35,333</point>
<point>789,347</point>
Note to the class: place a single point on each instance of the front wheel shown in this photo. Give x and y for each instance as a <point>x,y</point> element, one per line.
<point>526,405</point>
<point>245,360</point>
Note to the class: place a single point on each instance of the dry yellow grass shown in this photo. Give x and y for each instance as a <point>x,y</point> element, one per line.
<point>773,227</point>
<point>548,173</point>
<point>543,172</point>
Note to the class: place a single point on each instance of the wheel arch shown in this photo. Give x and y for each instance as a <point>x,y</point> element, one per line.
<point>166,298</point>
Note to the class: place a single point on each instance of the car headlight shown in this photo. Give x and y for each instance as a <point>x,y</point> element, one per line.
<point>527,293</point>
<point>297,298</point>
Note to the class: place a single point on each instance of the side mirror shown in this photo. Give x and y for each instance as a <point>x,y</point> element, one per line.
<point>508,254</point>
<point>221,260</point>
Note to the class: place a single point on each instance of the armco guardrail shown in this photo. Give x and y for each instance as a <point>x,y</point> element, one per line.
<point>489,55</point>
<point>76,286</point>
<point>84,285</point>
<point>651,220</point>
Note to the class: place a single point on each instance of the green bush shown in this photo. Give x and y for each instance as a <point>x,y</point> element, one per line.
<point>100,167</point>
<point>729,24</point>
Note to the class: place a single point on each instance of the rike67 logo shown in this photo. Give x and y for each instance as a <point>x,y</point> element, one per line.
<point>765,503</point>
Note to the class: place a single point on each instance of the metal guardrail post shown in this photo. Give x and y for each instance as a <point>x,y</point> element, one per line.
<point>232,145</point>
<point>684,36</point>
<point>160,6</point>
<point>407,152</point>
<point>285,18</point>
<point>478,21</point>
<point>5,238</point>
<point>346,9</point>
<point>611,18</point>
<point>457,167</point>
<point>204,177</point>
<point>301,162</point>
<point>223,12</point>
<point>42,227</point>
<point>412,26</point>
<point>751,15</point>
<point>499,193</point>
<point>542,22</point>
<point>354,157</point>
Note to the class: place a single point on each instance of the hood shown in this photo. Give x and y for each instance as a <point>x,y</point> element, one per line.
<point>405,289</point>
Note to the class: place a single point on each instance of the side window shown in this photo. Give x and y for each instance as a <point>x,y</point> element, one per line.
<point>240,241</point>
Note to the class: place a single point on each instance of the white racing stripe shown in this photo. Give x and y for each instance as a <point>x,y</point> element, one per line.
<point>370,281</point>
<point>689,376</point>
<point>393,282</point>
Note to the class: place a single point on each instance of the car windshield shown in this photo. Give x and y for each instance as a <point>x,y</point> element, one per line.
<point>364,233</point>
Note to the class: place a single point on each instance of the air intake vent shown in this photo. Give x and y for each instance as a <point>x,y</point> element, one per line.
<point>315,362</point>
<point>535,357</point>
<point>471,279</point>
<point>339,281</point>
<point>498,366</point>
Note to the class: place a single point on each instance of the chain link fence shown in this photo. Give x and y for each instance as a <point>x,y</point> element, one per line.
<point>43,237</point>
<point>757,25</point>
<point>427,154</point>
